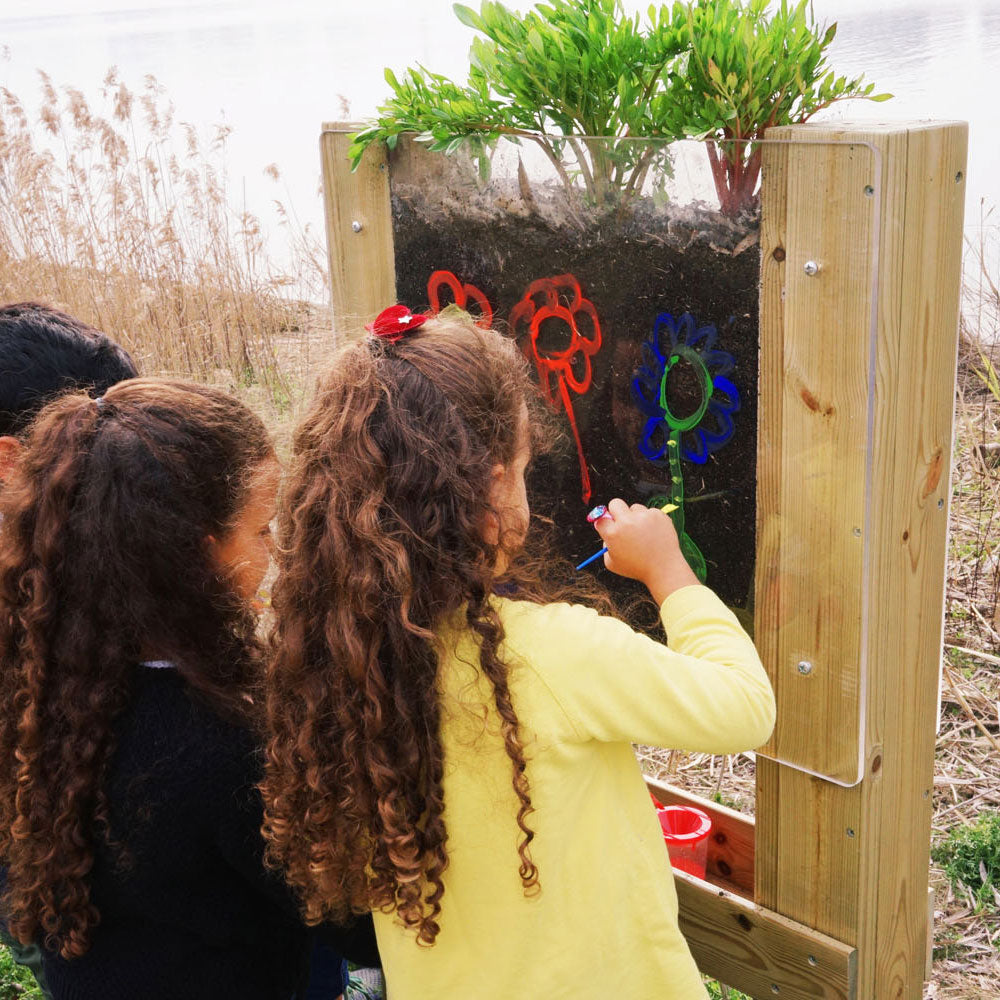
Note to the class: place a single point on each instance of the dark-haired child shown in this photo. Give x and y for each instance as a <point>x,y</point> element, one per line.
<point>461,762</point>
<point>44,352</point>
<point>135,533</point>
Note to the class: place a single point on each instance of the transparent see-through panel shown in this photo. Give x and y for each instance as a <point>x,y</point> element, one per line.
<point>629,271</point>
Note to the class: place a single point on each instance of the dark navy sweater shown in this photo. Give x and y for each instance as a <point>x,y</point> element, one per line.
<point>188,911</point>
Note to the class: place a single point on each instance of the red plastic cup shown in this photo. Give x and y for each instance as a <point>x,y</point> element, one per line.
<point>686,830</point>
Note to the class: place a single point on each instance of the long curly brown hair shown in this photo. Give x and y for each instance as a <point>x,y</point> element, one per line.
<point>381,539</point>
<point>103,563</point>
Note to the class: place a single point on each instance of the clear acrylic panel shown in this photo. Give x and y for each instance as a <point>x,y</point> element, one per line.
<point>676,376</point>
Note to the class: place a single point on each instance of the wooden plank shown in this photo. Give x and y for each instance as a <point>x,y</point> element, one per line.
<point>921,253</point>
<point>929,961</point>
<point>852,862</point>
<point>730,844</point>
<point>358,231</point>
<point>813,420</point>
<point>759,952</point>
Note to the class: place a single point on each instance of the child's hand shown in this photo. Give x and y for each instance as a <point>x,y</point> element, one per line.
<point>642,544</point>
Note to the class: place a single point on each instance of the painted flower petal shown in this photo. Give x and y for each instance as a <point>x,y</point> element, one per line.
<point>646,394</point>
<point>578,382</point>
<point>702,338</point>
<point>589,332</point>
<point>664,332</point>
<point>448,280</point>
<point>696,450</point>
<point>725,395</point>
<point>718,362</point>
<point>566,289</point>
<point>647,443</point>
<point>715,440</point>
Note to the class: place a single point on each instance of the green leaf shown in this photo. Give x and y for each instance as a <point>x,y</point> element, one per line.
<point>468,16</point>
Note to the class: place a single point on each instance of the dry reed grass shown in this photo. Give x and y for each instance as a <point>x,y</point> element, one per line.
<point>124,217</point>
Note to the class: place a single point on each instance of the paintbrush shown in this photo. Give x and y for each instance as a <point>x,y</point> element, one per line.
<point>601,511</point>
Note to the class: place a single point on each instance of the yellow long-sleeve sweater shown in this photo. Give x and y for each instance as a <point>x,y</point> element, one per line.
<point>604,924</point>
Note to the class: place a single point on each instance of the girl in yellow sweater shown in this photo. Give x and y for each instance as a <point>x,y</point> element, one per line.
<point>460,762</point>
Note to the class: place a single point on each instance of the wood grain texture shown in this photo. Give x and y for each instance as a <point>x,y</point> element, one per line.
<point>730,844</point>
<point>759,952</point>
<point>362,263</point>
<point>852,861</point>
<point>813,420</point>
<point>920,273</point>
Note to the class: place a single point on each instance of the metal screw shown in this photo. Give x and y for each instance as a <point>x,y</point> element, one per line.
<point>958,177</point>
<point>812,960</point>
<point>775,988</point>
<point>850,831</point>
<point>356,226</point>
<point>857,532</point>
<point>811,268</point>
<point>869,190</point>
<point>940,504</point>
<point>805,667</point>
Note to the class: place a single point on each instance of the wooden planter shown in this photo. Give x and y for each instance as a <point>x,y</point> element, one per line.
<point>861,237</point>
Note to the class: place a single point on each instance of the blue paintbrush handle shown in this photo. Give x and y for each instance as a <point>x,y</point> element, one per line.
<point>590,559</point>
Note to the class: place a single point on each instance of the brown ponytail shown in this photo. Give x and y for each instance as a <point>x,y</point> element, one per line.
<point>102,557</point>
<point>381,539</point>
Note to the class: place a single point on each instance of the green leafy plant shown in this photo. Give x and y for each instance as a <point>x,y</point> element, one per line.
<point>717,991</point>
<point>988,375</point>
<point>749,68</point>
<point>577,77</point>
<point>15,980</point>
<point>970,856</point>
<point>570,76</point>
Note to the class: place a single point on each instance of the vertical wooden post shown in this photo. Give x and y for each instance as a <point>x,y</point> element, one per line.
<point>853,475</point>
<point>358,230</point>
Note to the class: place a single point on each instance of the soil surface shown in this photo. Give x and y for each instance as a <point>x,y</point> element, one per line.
<point>632,265</point>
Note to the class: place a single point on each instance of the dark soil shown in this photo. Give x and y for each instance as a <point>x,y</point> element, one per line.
<point>632,266</point>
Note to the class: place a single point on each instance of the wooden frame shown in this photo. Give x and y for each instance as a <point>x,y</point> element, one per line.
<point>826,894</point>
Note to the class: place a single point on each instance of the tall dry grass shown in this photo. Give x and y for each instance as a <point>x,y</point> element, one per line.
<point>974,569</point>
<point>125,218</point>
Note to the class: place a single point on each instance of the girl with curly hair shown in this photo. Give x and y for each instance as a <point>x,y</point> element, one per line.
<point>450,747</point>
<point>135,533</point>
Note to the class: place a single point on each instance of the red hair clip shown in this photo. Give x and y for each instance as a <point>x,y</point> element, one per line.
<point>394,323</point>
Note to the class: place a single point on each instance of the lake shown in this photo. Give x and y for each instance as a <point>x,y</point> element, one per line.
<point>275,71</point>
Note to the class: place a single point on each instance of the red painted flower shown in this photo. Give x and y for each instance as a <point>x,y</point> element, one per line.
<point>563,334</point>
<point>462,295</point>
<point>394,323</point>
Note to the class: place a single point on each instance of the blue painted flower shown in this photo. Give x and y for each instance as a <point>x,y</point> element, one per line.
<point>710,424</point>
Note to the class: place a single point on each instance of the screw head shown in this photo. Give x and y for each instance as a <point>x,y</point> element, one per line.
<point>940,504</point>
<point>805,667</point>
<point>356,226</point>
<point>869,191</point>
<point>811,268</point>
<point>850,832</point>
